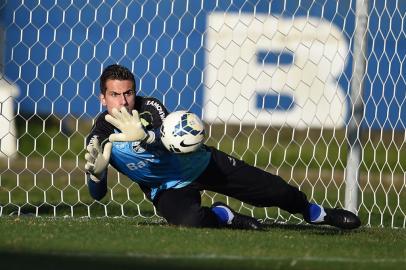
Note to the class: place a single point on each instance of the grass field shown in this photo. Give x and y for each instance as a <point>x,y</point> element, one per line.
<point>107,243</point>
<point>47,179</point>
<point>60,190</point>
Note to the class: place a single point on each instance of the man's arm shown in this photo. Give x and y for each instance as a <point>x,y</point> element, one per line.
<point>141,124</point>
<point>152,113</point>
<point>97,189</point>
<point>97,156</point>
<point>130,126</point>
<point>97,161</point>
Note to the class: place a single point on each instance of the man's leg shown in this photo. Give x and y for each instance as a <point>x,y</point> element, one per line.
<point>249,184</point>
<point>183,207</point>
<point>235,178</point>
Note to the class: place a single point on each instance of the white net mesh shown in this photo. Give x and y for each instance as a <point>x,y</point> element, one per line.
<point>271,79</point>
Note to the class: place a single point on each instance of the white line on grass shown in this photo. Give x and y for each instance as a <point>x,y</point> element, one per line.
<point>292,260</point>
<point>262,258</point>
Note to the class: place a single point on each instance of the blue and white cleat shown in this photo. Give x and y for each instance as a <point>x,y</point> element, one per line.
<point>240,221</point>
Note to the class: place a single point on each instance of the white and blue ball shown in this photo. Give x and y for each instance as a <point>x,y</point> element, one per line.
<point>182,132</point>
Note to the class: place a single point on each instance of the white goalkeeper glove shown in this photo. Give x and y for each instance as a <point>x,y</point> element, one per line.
<point>130,126</point>
<point>96,160</point>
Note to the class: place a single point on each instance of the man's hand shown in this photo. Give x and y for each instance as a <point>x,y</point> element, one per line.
<point>97,161</point>
<point>130,126</point>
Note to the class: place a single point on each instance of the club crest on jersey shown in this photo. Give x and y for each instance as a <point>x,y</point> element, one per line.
<point>137,148</point>
<point>120,145</point>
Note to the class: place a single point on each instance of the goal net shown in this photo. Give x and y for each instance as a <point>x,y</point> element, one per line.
<point>296,88</point>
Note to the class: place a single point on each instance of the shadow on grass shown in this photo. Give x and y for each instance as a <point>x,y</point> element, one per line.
<point>306,228</point>
<point>310,229</point>
<point>23,260</point>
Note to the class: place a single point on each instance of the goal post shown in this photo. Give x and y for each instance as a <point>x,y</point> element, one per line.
<point>311,90</point>
<point>354,125</point>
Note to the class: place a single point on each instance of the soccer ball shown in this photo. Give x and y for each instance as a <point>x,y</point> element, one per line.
<point>182,132</point>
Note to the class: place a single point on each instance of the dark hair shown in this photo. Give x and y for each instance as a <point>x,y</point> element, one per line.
<point>115,72</point>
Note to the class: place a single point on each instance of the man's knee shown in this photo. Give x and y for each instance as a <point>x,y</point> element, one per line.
<point>202,217</point>
<point>190,220</point>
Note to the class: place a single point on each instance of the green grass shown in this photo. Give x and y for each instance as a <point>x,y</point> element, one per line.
<point>47,179</point>
<point>53,188</point>
<point>103,243</point>
<point>48,176</point>
<point>57,193</point>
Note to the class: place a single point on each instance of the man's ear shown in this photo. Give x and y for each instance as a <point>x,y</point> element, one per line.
<point>103,99</point>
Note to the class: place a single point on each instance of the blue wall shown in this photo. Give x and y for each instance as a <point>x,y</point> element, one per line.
<point>162,44</point>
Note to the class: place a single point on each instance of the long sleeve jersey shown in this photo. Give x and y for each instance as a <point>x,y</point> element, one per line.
<point>150,165</point>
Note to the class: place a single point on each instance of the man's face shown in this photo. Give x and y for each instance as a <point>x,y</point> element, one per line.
<point>118,94</point>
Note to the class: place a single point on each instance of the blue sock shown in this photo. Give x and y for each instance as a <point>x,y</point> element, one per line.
<point>316,213</point>
<point>224,215</point>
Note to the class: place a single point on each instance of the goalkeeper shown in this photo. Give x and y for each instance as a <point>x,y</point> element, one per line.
<point>126,136</point>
